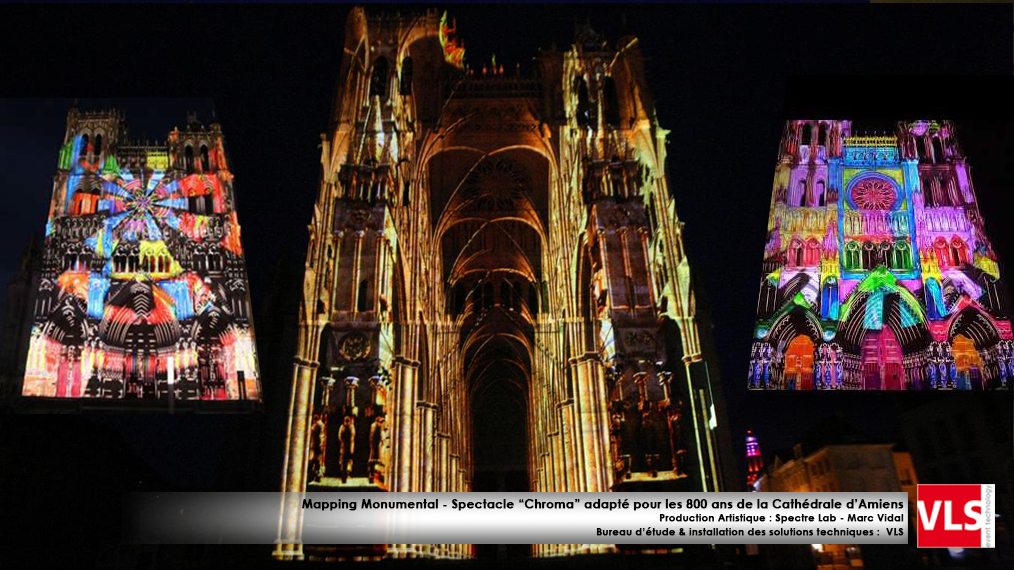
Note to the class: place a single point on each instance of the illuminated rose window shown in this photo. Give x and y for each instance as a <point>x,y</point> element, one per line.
<point>874,194</point>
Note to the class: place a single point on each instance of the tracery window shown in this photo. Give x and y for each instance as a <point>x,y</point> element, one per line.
<point>884,254</point>
<point>378,81</point>
<point>942,252</point>
<point>868,255</point>
<point>934,299</point>
<point>796,253</point>
<point>583,113</point>
<point>902,258</point>
<point>852,256</point>
<point>812,252</point>
<point>829,299</point>
<point>959,252</point>
<point>874,194</point>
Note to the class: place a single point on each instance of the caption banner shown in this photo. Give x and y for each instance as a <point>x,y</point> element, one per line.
<point>521,518</point>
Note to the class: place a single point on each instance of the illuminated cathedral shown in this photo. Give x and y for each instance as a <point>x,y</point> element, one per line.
<point>143,290</point>
<point>488,243</point>
<point>878,273</point>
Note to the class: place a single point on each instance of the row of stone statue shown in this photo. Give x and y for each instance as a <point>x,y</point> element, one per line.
<point>346,448</point>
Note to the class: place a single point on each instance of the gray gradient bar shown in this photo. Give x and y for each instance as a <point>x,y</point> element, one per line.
<point>523,518</point>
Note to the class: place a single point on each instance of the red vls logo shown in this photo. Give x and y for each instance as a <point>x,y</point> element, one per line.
<point>956,516</point>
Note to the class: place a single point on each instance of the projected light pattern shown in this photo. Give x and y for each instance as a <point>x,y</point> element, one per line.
<point>877,270</point>
<point>144,289</point>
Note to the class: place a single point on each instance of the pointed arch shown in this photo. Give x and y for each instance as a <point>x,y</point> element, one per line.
<point>793,320</point>
<point>829,299</point>
<point>973,322</point>
<point>583,114</point>
<point>378,80</point>
<point>879,301</point>
<point>610,103</point>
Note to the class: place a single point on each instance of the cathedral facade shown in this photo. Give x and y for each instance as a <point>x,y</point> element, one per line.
<point>878,273</point>
<point>143,289</point>
<point>490,246</point>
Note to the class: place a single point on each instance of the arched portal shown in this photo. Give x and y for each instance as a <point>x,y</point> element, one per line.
<point>882,361</point>
<point>967,362</point>
<point>799,363</point>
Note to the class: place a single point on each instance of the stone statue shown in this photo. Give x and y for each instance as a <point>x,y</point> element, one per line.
<point>621,466</point>
<point>649,433</point>
<point>318,447</point>
<point>378,435</point>
<point>675,413</point>
<point>347,440</point>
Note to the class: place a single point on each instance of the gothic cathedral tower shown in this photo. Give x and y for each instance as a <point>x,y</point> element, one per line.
<point>496,295</point>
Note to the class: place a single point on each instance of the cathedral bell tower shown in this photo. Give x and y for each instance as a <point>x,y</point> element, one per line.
<point>638,314</point>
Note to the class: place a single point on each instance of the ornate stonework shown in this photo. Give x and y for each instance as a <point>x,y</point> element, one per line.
<point>522,258</point>
<point>877,269</point>
<point>143,290</point>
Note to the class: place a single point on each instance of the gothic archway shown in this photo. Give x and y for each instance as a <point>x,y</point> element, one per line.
<point>488,208</point>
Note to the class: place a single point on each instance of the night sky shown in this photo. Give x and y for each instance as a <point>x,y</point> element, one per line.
<point>724,79</point>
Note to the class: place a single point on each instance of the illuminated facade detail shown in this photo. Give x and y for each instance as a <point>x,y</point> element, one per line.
<point>143,293</point>
<point>488,245</point>
<point>877,271</point>
<point>754,460</point>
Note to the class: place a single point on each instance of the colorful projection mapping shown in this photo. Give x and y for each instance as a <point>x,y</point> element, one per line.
<point>877,271</point>
<point>144,291</point>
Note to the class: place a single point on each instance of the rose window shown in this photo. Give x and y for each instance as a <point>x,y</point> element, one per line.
<point>874,194</point>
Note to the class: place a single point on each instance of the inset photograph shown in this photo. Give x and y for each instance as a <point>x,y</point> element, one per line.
<point>138,289</point>
<point>878,271</point>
